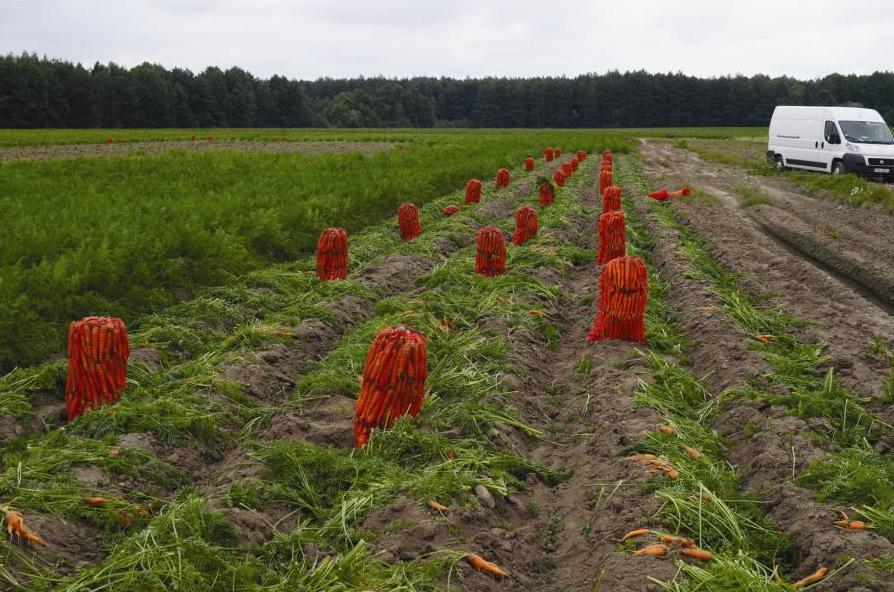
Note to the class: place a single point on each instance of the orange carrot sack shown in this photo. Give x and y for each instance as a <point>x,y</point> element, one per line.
<point>612,235</point>
<point>451,210</point>
<point>502,178</point>
<point>529,164</point>
<point>490,258</point>
<point>332,254</point>
<point>660,195</point>
<point>581,155</point>
<point>473,191</point>
<point>408,221</point>
<point>611,199</point>
<point>559,178</point>
<point>548,154</point>
<point>557,152</point>
<point>393,381</point>
<point>525,225</point>
<point>546,191</point>
<point>567,169</point>
<point>605,180</point>
<point>575,164</point>
<point>98,350</point>
<point>623,294</point>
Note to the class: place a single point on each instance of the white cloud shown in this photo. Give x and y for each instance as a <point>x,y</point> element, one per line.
<point>313,38</point>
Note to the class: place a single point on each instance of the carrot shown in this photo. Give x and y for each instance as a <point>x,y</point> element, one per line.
<point>696,553</point>
<point>692,452</point>
<point>812,578</point>
<point>764,338</point>
<point>95,501</point>
<point>642,457</point>
<point>485,566</point>
<point>665,429</point>
<point>437,507</point>
<point>850,524</point>
<point>670,539</point>
<point>652,551</point>
<point>15,525</point>
<point>636,533</point>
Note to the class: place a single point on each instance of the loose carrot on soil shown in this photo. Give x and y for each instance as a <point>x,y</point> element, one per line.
<point>636,533</point>
<point>437,507</point>
<point>665,429</point>
<point>485,566</point>
<point>692,452</point>
<point>657,550</point>
<point>812,578</point>
<point>696,553</point>
<point>850,524</point>
<point>95,501</point>
<point>15,525</point>
<point>684,542</point>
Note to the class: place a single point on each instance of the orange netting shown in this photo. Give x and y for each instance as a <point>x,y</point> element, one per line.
<point>529,164</point>
<point>612,234</point>
<point>611,199</point>
<point>393,381</point>
<point>473,191</point>
<point>525,225</point>
<point>490,258</point>
<point>98,350</point>
<point>332,254</point>
<point>623,294</point>
<point>408,221</point>
<point>502,178</point>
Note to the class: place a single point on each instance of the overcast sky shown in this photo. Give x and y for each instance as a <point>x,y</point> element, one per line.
<point>343,38</point>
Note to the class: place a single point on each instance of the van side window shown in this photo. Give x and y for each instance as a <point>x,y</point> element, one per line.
<point>831,133</point>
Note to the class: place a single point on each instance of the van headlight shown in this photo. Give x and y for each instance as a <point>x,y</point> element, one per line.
<point>852,148</point>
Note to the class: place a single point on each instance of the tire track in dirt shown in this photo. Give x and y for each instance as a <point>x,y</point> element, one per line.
<point>769,447</point>
<point>841,316</point>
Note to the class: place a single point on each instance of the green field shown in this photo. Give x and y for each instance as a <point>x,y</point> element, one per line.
<point>126,235</point>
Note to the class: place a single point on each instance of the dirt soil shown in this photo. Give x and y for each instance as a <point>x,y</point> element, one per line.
<point>768,446</point>
<point>69,151</point>
<point>844,285</point>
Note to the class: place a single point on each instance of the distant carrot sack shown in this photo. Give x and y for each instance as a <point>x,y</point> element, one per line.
<point>559,178</point>
<point>581,155</point>
<point>98,350</point>
<point>567,169</point>
<point>393,381</point>
<point>490,257</point>
<point>502,178</point>
<point>546,193</point>
<point>332,254</point>
<point>473,191</point>
<point>525,225</point>
<point>529,164</point>
<point>575,164</point>
<point>605,180</point>
<point>548,154</point>
<point>660,195</point>
<point>612,236</point>
<point>408,221</point>
<point>557,152</point>
<point>623,294</point>
<point>450,210</point>
<point>611,199</point>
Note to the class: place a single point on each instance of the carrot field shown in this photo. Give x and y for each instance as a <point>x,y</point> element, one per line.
<point>357,369</point>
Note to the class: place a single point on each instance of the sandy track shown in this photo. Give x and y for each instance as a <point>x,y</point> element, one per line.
<point>797,272</point>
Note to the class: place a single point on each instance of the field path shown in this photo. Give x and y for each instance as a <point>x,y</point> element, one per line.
<point>823,261</point>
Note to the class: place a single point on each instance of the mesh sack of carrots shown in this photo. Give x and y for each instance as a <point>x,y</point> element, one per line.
<point>623,294</point>
<point>605,179</point>
<point>490,256</point>
<point>548,154</point>
<point>611,199</point>
<point>611,236</point>
<point>575,164</point>
<point>664,194</point>
<point>559,178</point>
<point>529,164</point>
<point>450,210</point>
<point>567,169</point>
<point>525,225</point>
<point>581,155</point>
<point>473,191</point>
<point>98,350</point>
<point>557,152</point>
<point>502,178</point>
<point>546,191</point>
<point>393,381</point>
<point>332,254</point>
<point>408,221</point>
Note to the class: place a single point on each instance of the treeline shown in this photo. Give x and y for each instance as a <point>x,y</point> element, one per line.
<point>38,92</point>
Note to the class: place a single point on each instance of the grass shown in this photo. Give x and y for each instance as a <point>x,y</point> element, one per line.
<point>134,234</point>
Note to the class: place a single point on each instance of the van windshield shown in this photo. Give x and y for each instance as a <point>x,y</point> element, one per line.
<point>866,132</point>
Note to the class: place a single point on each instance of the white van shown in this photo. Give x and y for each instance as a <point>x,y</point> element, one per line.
<point>832,139</point>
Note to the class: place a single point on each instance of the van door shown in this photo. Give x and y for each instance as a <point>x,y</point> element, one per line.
<point>830,145</point>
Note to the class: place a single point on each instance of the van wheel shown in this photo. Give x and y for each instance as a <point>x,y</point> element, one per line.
<point>780,164</point>
<point>837,168</point>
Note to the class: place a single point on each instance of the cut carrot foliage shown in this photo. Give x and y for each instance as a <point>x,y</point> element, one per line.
<point>485,566</point>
